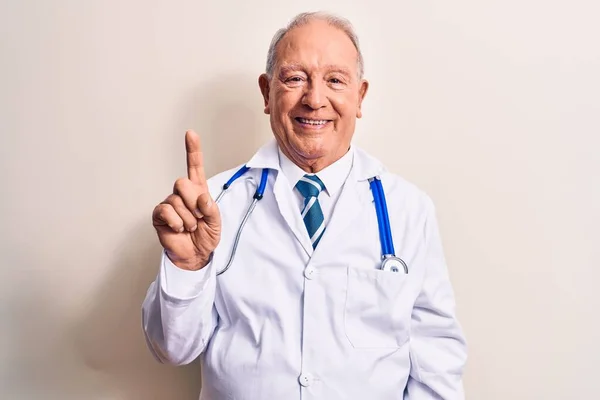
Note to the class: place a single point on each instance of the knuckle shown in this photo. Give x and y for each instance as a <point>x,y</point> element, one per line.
<point>171,218</point>
<point>189,221</point>
<point>158,209</point>
<point>182,211</point>
<point>180,184</point>
<point>173,200</point>
<point>162,210</point>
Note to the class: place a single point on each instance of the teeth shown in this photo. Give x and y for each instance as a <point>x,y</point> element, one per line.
<point>313,121</point>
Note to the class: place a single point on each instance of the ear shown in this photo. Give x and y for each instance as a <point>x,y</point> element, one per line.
<point>362,92</point>
<point>265,87</point>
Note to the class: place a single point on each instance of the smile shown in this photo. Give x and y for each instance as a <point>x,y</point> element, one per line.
<point>312,122</point>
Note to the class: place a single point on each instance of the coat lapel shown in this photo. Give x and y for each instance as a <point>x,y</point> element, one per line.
<point>355,196</point>
<point>290,213</point>
<point>268,157</point>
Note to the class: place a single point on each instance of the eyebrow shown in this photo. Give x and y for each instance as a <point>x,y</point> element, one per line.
<point>329,68</point>
<point>290,68</point>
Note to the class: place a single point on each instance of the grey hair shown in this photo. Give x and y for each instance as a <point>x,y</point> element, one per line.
<point>302,19</point>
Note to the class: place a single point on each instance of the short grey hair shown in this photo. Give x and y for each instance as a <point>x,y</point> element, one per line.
<point>302,19</point>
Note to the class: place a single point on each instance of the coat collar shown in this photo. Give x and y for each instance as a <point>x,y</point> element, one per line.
<point>364,167</point>
<point>266,157</point>
<point>355,193</point>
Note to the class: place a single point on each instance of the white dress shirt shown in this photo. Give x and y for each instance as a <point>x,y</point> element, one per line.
<point>333,177</point>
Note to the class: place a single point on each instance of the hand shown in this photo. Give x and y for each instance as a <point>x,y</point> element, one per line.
<point>188,222</point>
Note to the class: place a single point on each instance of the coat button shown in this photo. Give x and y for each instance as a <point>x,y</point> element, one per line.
<point>305,379</point>
<point>310,272</point>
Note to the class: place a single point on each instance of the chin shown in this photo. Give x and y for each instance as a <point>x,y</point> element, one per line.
<point>310,147</point>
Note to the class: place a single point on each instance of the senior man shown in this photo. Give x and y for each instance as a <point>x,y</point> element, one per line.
<point>303,309</point>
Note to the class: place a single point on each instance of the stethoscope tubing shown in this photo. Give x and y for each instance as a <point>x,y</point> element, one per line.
<point>258,195</point>
<point>385,232</point>
<point>386,220</point>
<point>238,236</point>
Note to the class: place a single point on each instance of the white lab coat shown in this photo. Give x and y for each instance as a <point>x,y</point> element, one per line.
<point>287,323</point>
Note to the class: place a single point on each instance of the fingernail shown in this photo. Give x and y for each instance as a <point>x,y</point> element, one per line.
<point>181,229</point>
<point>198,213</point>
<point>194,228</point>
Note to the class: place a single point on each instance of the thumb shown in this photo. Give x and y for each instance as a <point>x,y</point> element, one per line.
<point>209,209</point>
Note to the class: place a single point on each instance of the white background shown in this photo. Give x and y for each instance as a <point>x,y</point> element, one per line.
<point>492,107</point>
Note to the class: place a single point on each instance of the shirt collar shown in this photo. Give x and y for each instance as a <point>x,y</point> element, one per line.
<point>333,176</point>
<point>363,165</point>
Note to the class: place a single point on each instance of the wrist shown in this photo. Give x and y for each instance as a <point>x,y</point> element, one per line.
<point>193,264</point>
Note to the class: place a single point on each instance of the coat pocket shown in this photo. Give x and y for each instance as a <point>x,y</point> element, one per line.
<point>377,311</point>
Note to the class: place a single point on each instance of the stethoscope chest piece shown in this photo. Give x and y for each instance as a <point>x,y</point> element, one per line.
<point>394,264</point>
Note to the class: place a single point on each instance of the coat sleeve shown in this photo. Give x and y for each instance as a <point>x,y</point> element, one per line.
<point>178,313</point>
<point>438,350</point>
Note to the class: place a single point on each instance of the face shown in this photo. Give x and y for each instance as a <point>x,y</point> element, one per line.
<point>314,95</point>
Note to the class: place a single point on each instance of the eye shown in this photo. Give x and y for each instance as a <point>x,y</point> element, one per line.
<point>337,82</point>
<point>294,81</point>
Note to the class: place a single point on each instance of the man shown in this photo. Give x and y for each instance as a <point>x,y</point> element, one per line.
<point>304,311</point>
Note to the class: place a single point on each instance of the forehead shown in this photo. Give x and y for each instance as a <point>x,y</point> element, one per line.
<point>317,45</point>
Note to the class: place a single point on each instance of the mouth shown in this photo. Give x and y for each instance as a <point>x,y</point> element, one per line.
<point>311,123</point>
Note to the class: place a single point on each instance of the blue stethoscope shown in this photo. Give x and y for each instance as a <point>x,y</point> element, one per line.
<point>389,261</point>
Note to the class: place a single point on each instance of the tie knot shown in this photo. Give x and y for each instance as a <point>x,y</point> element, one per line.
<point>310,186</point>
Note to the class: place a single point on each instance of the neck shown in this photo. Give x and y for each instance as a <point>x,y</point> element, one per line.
<point>313,165</point>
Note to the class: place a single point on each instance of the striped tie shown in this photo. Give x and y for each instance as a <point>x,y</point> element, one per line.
<point>310,186</point>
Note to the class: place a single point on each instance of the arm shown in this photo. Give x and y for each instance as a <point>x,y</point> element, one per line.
<point>178,314</point>
<point>438,350</point>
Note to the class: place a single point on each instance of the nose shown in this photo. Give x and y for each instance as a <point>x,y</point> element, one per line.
<point>314,96</point>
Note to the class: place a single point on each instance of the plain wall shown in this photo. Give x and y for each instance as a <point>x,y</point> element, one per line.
<point>492,107</point>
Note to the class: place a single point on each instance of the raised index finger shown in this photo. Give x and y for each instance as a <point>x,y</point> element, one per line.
<point>195,162</point>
